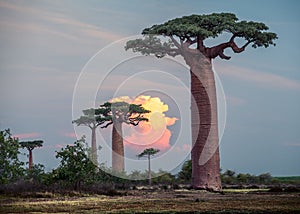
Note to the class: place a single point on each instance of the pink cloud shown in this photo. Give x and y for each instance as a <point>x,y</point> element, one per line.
<point>292,144</point>
<point>27,135</point>
<point>235,101</point>
<point>70,135</point>
<point>137,143</point>
<point>259,77</point>
<point>183,148</point>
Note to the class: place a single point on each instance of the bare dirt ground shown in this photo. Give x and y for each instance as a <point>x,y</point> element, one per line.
<point>142,201</point>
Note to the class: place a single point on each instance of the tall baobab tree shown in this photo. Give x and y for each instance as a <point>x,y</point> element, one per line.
<point>92,118</point>
<point>186,36</point>
<point>148,153</point>
<point>30,146</point>
<point>121,112</point>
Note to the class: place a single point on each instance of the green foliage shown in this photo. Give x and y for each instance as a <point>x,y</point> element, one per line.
<point>75,166</point>
<point>151,44</point>
<point>185,175</point>
<point>194,29</point>
<point>148,152</point>
<point>92,117</point>
<point>124,112</point>
<point>230,177</point>
<point>203,26</point>
<point>10,166</point>
<point>163,177</point>
<point>30,145</point>
<point>37,173</point>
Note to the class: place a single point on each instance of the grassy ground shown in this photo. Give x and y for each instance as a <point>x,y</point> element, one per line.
<point>177,201</point>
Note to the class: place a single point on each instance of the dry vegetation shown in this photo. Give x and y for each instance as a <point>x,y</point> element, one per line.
<point>145,201</point>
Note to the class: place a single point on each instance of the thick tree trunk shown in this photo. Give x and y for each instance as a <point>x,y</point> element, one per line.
<point>205,151</point>
<point>117,147</point>
<point>30,159</point>
<point>94,147</point>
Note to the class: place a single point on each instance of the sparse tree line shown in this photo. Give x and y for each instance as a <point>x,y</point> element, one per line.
<point>77,171</point>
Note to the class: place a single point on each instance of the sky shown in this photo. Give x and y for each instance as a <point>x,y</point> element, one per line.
<point>59,57</point>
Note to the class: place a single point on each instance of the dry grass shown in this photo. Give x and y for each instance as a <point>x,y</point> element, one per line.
<point>157,202</point>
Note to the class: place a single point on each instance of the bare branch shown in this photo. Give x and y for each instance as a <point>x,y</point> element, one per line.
<point>223,56</point>
<point>108,124</point>
<point>175,42</point>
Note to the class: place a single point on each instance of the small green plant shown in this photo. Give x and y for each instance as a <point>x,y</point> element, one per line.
<point>10,166</point>
<point>75,166</point>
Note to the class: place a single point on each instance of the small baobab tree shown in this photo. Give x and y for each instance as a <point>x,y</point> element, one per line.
<point>92,118</point>
<point>119,113</point>
<point>148,153</point>
<point>30,146</point>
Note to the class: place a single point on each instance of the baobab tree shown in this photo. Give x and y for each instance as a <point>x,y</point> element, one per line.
<point>186,36</point>
<point>119,113</point>
<point>30,146</point>
<point>148,153</point>
<point>92,118</point>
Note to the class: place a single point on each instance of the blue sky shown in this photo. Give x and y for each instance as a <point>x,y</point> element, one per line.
<point>45,45</point>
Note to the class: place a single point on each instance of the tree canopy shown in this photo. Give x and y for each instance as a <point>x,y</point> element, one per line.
<point>193,30</point>
<point>75,166</point>
<point>30,145</point>
<point>123,112</point>
<point>148,152</point>
<point>92,117</point>
<point>10,166</point>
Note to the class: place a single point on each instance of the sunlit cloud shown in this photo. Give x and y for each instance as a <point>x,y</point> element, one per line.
<point>155,132</point>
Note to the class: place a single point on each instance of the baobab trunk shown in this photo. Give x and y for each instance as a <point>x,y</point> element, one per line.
<point>30,159</point>
<point>94,147</point>
<point>117,147</point>
<point>205,151</point>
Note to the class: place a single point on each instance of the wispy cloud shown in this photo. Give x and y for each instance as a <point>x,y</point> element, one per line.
<point>33,20</point>
<point>235,101</point>
<point>27,135</point>
<point>259,77</point>
<point>292,144</point>
<point>70,135</point>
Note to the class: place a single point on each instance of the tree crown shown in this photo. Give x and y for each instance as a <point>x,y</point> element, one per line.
<point>92,117</point>
<point>30,145</point>
<point>194,29</point>
<point>148,152</point>
<point>124,112</point>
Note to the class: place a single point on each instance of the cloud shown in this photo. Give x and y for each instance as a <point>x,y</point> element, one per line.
<point>235,101</point>
<point>259,77</point>
<point>27,135</point>
<point>292,144</point>
<point>70,135</point>
<point>51,29</point>
<point>183,148</point>
<point>155,132</point>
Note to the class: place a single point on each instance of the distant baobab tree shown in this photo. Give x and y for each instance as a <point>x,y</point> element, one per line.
<point>119,113</point>
<point>148,153</point>
<point>30,146</point>
<point>92,118</point>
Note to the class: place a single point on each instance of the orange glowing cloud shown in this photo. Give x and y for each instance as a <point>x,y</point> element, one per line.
<point>155,132</point>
